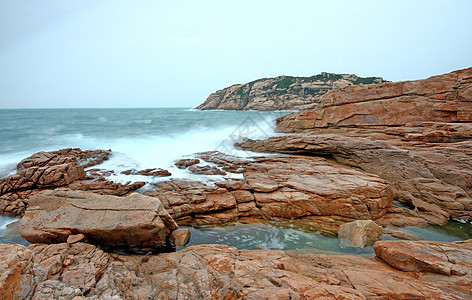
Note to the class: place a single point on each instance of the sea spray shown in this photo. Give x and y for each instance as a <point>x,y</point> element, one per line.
<point>139,138</point>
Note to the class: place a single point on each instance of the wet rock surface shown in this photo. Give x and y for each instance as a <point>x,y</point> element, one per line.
<point>186,162</point>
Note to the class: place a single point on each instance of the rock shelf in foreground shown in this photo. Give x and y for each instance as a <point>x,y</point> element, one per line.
<point>63,271</point>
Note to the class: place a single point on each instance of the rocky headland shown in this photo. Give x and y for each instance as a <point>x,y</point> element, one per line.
<point>282,92</point>
<point>361,164</point>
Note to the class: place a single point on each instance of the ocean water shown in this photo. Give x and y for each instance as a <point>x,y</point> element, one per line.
<point>140,138</point>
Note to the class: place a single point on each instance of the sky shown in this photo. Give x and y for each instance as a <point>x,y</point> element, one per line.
<point>153,53</point>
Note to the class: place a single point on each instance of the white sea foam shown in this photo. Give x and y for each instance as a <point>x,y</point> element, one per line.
<point>160,151</point>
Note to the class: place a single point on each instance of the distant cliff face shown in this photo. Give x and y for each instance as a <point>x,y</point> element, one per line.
<point>281,93</point>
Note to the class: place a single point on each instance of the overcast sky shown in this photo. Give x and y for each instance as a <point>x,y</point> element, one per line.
<point>151,53</point>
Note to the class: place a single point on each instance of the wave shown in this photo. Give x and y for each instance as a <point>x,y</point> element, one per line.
<point>155,151</point>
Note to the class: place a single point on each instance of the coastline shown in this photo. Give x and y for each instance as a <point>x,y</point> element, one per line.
<point>369,176</point>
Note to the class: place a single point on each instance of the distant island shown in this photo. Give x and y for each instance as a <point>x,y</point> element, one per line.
<point>282,92</point>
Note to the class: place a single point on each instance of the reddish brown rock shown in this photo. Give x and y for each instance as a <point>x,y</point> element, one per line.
<point>415,176</point>
<point>279,187</point>
<point>299,186</point>
<point>106,220</point>
<point>86,158</point>
<point>180,237</point>
<point>359,233</point>
<point>103,186</point>
<point>148,172</point>
<point>436,99</point>
<point>191,202</point>
<point>186,162</point>
<point>215,272</point>
<point>206,170</point>
<point>413,134</point>
<point>428,256</point>
<point>228,163</point>
<point>15,263</point>
<point>75,238</point>
<point>45,170</point>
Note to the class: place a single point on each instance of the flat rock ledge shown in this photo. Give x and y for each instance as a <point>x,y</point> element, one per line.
<point>65,271</point>
<point>279,187</point>
<point>134,220</point>
<point>427,256</point>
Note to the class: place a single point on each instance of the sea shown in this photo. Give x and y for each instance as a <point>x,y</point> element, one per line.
<point>142,138</point>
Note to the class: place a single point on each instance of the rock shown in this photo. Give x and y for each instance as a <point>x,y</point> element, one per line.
<point>359,233</point>
<point>135,220</point>
<point>180,237</point>
<point>401,219</point>
<point>206,170</point>
<point>228,163</point>
<point>86,158</point>
<point>437,99</point>
<point>148,172</point>
<point>427,256</point>
<point>298,186</point>
<point>187,162</point>
<point>279,187</point>
<point>75,238</point>
<point>213,272</point>
<point>15,261</point>
<point>103,186</point>
<point>45,170</point>
<point>281,93</point>
<point>401,234</point>
<point>413,134</point>
<point>190,202</point>
<point>414,176</point>
<point>42,177</point>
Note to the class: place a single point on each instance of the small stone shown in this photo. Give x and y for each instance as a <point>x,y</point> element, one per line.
<point>75,238</point>
<point>180,237</point>
<point>187,162</point>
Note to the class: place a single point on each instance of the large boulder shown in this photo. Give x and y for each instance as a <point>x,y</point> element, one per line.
<point>136,219</point>
<point>359,233</point>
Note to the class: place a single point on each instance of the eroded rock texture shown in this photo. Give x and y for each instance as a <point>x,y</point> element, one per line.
<point>281,93</point>
<point>415,135</point>
<point>134,220</point>
<point>444,98</point>
<point>288,187</point>
<point>49,170</point>
<point>64,271</point>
